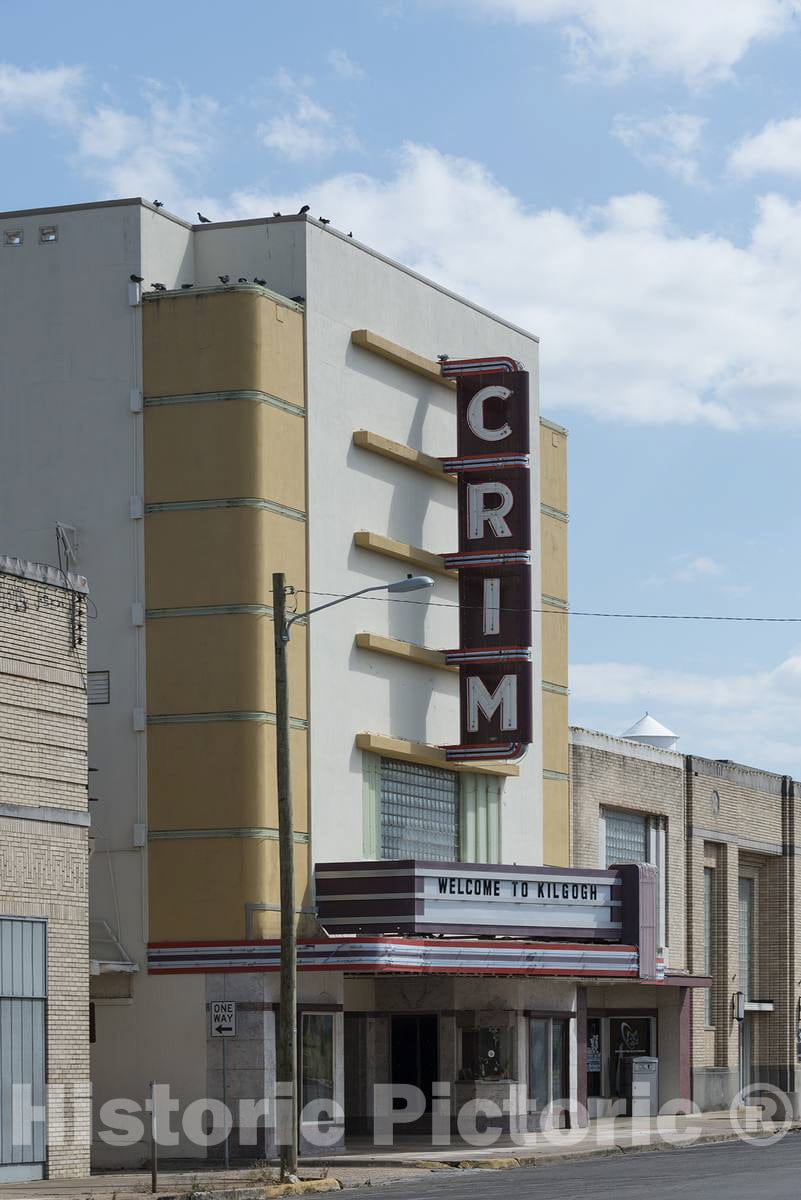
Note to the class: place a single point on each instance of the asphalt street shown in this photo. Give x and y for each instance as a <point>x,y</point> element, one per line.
<point>730,1171</point>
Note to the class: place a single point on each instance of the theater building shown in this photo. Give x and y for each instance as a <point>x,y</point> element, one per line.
<point>279,403</point>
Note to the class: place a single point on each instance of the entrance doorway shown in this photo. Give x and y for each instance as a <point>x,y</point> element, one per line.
<point>415,1058</point>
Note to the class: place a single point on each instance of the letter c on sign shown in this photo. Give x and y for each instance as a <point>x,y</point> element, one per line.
<point>475,414</point>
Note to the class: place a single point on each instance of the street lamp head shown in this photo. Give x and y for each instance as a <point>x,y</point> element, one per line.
<point>412,583</point>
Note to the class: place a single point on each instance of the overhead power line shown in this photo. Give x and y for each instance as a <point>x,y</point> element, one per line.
<point>572,612</point>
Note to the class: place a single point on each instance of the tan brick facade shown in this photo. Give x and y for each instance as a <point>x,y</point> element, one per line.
<point>739,824</point>
<point>44,821</point>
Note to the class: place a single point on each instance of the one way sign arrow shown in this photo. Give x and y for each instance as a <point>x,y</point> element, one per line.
<point>223,1018</point>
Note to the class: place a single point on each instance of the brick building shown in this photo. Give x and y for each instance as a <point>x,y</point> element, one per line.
<point>44,967</point>
<point>723,839</point>
<point>743,897</point>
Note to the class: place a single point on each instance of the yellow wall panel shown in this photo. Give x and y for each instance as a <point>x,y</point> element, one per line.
<point>555,823</point>
<point>555,753</point>
<point>211,776</point>
<point>199,887</point>
<point>220,664</point>
<point>554,645</point>
<point>226,341</point>
<point>224,448</point>
<point>553,468</point>
<point>220,556</point>
<point>553,533</point>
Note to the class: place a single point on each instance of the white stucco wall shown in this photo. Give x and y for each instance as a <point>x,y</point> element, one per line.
<point>71,451</point>
<point>352,690</point>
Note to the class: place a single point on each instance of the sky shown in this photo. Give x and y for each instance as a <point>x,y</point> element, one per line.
<point>621,177</point>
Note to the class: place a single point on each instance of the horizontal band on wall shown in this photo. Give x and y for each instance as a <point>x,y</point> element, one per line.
<point>552,425</point>
<point>365,339</point>
<point>742,843</point>
<point>266,718</point>
<point>408,651</point>
<point>559,776</point>
<point>216,397</point>
<point>41,812</point>
<point>398,452</point>
<point>557,688</point>
<point>548,511</point>
<point>281,510</point>
<point>402,551</point>
<point>428,756</point>
<point>216,610</point>
<point>216,289</point>
<point>178,835</point>
<point>555,602</point>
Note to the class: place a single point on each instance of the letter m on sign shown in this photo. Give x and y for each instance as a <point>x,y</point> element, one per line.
<point>495,703</point>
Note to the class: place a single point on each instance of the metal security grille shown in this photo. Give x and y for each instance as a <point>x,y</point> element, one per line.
<point>98,687</point>
<point>626,837</point>
<point>23,991</point>
<point>419,812</point>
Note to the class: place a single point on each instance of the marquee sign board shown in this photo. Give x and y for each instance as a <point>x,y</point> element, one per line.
<point>562,905</point>
<point>493,559</point>
<point>463,898</point>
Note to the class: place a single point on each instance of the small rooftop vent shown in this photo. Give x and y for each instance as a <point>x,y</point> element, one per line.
<point>651,733</point>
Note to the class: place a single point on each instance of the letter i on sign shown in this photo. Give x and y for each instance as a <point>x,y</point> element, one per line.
<point>492,607</point>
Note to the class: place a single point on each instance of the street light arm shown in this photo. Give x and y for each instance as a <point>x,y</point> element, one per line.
<point>412,583</point>
<point>381,587</point>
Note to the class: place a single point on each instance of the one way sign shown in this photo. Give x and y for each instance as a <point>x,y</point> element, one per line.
<point>223,1018</point>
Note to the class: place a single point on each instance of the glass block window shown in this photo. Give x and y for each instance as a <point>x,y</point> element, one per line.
<point>419,811</point>
<point>746,898</point>
<point>626,837</point>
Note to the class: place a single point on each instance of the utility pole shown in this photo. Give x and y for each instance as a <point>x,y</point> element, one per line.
<point>286,1058</point>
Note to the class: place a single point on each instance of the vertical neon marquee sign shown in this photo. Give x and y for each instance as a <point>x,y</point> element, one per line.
<point>493,466</point>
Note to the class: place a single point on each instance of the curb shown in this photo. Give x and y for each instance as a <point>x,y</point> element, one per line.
<point>264,1191</point>
<point>549,1157</point>
<point>488,1164</point>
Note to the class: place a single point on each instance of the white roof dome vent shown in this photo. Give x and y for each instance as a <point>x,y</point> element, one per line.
<point>649,732</point>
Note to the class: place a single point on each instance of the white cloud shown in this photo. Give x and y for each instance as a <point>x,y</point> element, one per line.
<point>344,66</point>
<point>775,149</point>
<point>305,129</point>
<point>638,321</point>
<point>155,154</point>
<point>688,568</point>
<point>701,42</point>
<point>752,716</point>
<point>51,93</point>
<point>670,141</point>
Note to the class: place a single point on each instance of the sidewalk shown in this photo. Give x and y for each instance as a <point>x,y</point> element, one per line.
<point>367,1165</point>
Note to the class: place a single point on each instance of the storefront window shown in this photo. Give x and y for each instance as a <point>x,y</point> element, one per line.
<point>487,1053</point>
<point>629,1037</point>
<point>317,1057</point>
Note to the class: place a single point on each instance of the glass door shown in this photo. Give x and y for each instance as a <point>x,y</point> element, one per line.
<point>548,1073</point>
